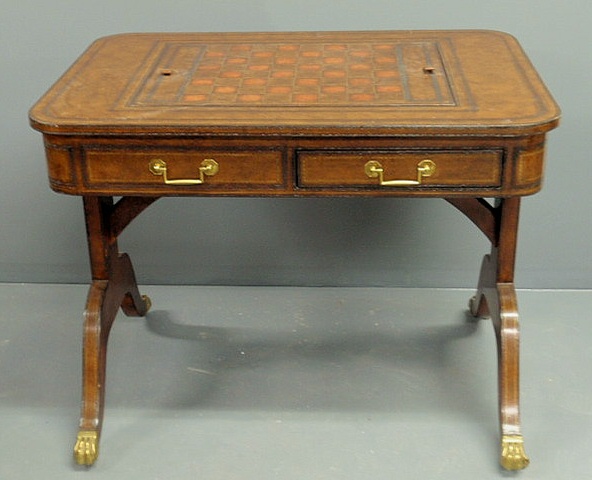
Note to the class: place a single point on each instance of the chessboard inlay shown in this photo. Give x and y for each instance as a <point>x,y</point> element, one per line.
<point>308,74</point>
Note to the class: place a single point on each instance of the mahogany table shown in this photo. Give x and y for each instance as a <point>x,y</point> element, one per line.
<point>460,115</point>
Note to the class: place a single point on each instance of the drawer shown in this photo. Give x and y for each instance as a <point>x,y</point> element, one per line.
<point>400,168</point>
<point>172,168</point>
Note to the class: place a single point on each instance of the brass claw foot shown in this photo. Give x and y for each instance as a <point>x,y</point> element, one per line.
<point>148,302</point>
<point>86,449</point>
<point>513,455</point>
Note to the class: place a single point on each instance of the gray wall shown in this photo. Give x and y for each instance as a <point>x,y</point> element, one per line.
<point>313,241</point>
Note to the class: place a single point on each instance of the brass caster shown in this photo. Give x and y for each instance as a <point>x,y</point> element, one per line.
<point>513,456</point>
<point>86,449</point>
<point>147,302</point>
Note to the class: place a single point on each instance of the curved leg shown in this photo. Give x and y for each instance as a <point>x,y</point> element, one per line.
<point>499,301</point>
<point>114,285</point>
<point>496,297</point>
<point>86,449</point>
<point>104,299</point>
<point>504,313</point>
<point>507,329</point>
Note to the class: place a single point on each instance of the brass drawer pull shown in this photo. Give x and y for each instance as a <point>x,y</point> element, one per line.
<point>208,167</point>
<point>374,169</point>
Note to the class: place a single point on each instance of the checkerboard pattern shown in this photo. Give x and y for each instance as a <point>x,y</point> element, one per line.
<point>316,74</point>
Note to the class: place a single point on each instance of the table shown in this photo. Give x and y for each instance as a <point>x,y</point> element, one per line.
<point>459,115</point>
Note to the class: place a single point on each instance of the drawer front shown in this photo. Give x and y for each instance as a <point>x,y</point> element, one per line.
<point>200,169</point>
<point>400,169</point>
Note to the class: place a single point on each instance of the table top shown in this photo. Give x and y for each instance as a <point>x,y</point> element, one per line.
<point>294,83</point>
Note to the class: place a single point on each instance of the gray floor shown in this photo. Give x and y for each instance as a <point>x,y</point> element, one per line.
<point>294,383</point>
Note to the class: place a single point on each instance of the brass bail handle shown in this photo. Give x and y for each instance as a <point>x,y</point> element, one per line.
<point>374,169</point>
<point>208,167</point>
